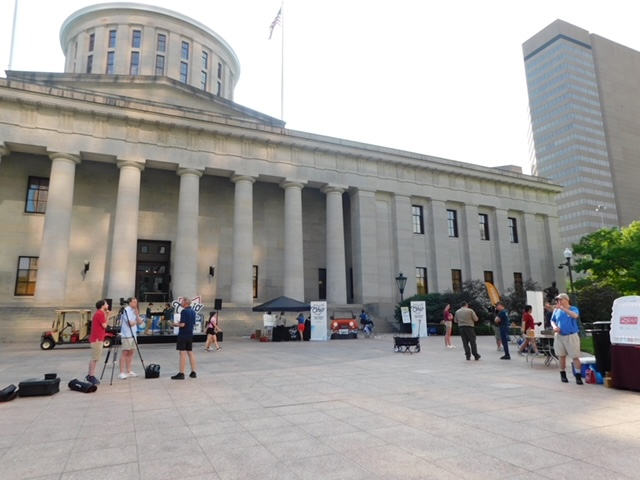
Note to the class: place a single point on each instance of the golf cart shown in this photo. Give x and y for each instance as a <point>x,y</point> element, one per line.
<point>72,327</point>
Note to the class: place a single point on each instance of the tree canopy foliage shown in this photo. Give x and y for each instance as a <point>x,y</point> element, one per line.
<point>610,257</point>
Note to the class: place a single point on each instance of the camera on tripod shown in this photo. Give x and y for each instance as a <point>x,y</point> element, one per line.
<point>123,301</point>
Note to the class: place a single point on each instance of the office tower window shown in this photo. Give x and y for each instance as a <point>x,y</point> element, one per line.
<point>184,72</point>
<point>255,281</point>
<point>484,226</point>
<point>26,276</point>
<point>452,223</point>
<point>159,65</point>
<point>185,51</point>
<point>37,194</point>
<point>205,61</point>
<point>488,276</point>
<point>513,230</point>
<point>112,39</point>
<point>134,68</point>
<point>418,220</point>
<point>456,280</point>
<point>89,63</point>
<point>92,41</point>
<point>203,81</point>
<point>111,60</point>
<point>421,281</point>
<point>136,39</point>
<point>161,43</point>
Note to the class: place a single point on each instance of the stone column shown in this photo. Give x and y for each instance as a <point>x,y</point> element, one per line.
<point>403,235</point>
<point>502,251</point>
<point>185,269</point>
<point>336,260</point>
<point>528,236</point>
<point>242,256</point>
<point>472,252</point>
<point>122,266</point>
<point>53,261</point>
<point>439,247</point>
<point>4,151</point>
<point>365,247</point>
<point>293,251</point>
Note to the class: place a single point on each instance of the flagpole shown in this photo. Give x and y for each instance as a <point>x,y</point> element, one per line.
<point>13,34</point>
<point>281,64</point>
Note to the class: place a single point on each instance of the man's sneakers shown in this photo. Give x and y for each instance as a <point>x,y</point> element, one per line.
<point>123,376</point>
<point>92,379</point>
<point>132,374</point>
<point>178,376</point>
<point>505,357</point>
<point>192,375</point>
<point>478,357</point>
<point>563,377</point>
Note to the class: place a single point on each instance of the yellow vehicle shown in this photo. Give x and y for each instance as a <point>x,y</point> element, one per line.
<point>72,327</point>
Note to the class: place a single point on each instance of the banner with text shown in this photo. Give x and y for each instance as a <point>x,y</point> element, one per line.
<point>318,321</point>
<point>419,319</point>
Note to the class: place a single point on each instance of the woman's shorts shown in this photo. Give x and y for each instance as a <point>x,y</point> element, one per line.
<point>211,331</point>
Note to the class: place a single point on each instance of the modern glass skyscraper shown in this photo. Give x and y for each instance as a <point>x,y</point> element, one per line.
<point>584,104</point>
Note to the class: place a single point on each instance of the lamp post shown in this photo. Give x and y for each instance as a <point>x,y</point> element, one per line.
<point>401,281</point>
<point>600,210</point>
<point>568,254</point>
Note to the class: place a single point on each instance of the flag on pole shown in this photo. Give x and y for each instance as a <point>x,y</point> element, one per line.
<point>276,21</point>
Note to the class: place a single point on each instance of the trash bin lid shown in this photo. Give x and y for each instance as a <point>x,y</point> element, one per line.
<point>603,322</point>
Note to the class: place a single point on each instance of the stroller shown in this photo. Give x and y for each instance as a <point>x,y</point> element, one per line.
<point>406,344</point>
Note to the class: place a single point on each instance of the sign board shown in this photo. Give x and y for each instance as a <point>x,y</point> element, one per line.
<point>318,321</point>
<point>536,300</point>
<point>406,316</point>
<point>196,306</point>
<point>419,319</point>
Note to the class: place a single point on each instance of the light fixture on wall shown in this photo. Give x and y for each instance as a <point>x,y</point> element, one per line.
<point>85,268</point>
<point>212,271</point>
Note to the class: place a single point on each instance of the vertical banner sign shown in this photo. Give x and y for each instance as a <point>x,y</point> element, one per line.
<point>318,321</point>
<point>419,319</point>
<point>537,308</point>
<point>406,317</point>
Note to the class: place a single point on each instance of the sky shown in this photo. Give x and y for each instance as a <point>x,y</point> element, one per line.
<point>442,78</point>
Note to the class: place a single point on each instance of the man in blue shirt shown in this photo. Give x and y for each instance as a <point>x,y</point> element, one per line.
<point>564,322</point>
<point>502,319</point>
<point>184,342</point>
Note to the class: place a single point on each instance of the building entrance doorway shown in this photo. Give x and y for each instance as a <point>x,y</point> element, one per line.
<point>153,271</point>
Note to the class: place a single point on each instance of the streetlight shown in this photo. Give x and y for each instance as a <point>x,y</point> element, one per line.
<point>401,281</point>
<point>568,254</point>
<point>600,210</point>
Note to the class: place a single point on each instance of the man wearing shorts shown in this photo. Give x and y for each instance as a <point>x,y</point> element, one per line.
<point>184,344</point>
<point>129,322</point>
<point>98,332</point>
<point>564,322</point>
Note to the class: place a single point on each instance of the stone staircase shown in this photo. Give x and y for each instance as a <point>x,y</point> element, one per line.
<point>26,324</point>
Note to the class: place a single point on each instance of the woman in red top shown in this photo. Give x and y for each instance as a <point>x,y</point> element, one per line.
<point>528,324</point>
<point>448,325</point>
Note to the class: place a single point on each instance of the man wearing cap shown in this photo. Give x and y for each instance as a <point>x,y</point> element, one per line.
<point>564,322</point>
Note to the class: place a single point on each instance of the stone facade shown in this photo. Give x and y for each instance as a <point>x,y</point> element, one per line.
<point>274,211</point>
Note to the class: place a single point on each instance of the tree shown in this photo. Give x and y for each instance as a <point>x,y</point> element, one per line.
<point>515,298</point>
<point>595,303</point>
<point>610,257</point>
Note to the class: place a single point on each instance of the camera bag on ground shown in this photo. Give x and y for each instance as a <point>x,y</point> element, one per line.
<point>8,393</point>
<point>80,386</point>
<point>35,387</point>
<point>152,371</point>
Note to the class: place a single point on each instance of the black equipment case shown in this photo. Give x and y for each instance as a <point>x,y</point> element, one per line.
<point>9,393</point>
<point>152,371</point>
<point>35,387</point>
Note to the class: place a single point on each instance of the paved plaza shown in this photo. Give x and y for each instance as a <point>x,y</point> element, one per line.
<point>342,409</point>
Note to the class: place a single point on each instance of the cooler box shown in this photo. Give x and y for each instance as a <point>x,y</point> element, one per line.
<point>35,387</point>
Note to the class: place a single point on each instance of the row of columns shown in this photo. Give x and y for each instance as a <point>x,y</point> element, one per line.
<point>54,252</point>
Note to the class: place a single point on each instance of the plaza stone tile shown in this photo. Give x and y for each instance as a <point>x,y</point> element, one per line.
<point>319,410</point>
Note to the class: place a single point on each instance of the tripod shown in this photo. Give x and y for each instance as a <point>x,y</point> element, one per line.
<point>118,342</point>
